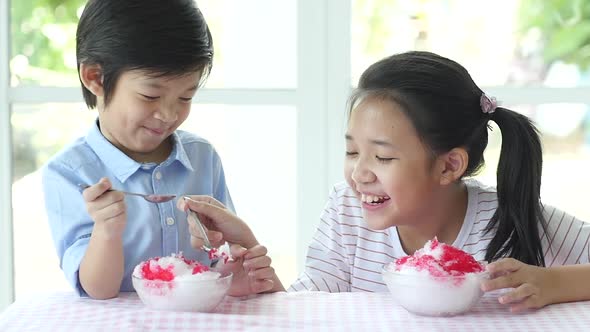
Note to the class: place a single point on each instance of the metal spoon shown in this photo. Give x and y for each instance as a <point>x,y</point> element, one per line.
<point>152,198</point>
<point>207,247</point>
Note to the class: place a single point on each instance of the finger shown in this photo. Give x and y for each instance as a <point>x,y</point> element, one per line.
<point>194,225</point>
<point>231,266</point>
<point>260,286</point>
<point>216,238</point>
<point>197,242</point>
<point>519,294</point>
<point>510,280</point>
<point>504,266</point>
<point>256,251</point>
<point>186,201</point>
<point>237,251</point>
<point>532,302</point>
<point>215,213</point>
<point>264,273</point>
<point>93,192</point>
<point>106,199</point>
<point>110,211</point>
<point>257,263</point>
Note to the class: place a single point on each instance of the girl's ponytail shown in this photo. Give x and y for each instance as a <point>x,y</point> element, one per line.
<point>519,212</point>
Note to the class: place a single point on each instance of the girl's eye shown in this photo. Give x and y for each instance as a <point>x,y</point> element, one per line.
<point>384,160</point>
<point>149,97</point>
<point>351,154</point>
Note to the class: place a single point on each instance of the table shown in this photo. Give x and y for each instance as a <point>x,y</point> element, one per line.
<point>317,311</point>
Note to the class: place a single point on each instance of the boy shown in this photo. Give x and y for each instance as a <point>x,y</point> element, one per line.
<point>140,63</point>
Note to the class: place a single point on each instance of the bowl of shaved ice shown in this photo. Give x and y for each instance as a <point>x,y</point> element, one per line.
<point>437,280</point>
<point>176,283</point>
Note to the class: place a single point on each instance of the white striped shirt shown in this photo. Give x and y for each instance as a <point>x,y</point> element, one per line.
<point>346,256</point>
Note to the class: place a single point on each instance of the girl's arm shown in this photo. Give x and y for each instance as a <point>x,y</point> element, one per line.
<point>569,283</point>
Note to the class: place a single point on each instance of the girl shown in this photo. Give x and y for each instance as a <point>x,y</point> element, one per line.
<point>417,130</point>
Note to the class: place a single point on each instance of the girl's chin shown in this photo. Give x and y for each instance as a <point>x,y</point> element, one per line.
<point>378,224</point>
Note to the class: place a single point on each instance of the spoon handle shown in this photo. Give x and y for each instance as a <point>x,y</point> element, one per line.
<point>200,227</point>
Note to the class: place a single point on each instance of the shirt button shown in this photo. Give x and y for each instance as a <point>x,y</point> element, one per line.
<point>170,221</point>
<point>158,175</point>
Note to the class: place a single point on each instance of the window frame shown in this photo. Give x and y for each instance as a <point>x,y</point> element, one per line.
<point>6,245</point>
<point>323,85</point>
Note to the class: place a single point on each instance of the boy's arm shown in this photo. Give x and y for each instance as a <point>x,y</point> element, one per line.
<point>102,267</point>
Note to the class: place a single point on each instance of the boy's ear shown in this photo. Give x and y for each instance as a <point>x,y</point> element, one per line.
<point>91,77</point>
<point>452,165</point>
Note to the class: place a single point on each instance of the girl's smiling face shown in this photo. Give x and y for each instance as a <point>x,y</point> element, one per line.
<point>388,166</point>
<point>144,111</point>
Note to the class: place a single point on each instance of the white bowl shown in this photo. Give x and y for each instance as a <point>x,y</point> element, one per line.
<point>435,296</point>
<point>182,295</point>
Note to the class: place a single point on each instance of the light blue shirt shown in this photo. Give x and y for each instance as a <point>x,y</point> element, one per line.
<point>152,230</point>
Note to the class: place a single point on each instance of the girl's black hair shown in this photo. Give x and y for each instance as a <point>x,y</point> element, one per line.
<point>443,103</point>
<point>165,38</point>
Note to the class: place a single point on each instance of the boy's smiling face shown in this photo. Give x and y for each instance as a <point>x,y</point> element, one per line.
<point>144,111</point>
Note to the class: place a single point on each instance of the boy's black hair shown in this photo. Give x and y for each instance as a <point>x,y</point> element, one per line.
<point>443,103</point>
<point>165,38</point>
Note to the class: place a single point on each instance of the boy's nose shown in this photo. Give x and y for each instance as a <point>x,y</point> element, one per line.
<point>166,114</point>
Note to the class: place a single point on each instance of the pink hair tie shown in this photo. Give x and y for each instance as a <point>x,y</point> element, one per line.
<point>488,104</point>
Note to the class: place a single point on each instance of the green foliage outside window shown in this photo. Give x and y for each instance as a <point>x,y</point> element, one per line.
<point>43,41</point>
<point>564,27</point>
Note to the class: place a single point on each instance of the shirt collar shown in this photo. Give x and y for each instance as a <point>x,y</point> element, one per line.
<point>122,165</point>
<point>178,153</point>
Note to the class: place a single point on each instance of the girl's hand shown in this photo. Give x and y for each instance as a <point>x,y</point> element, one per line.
<point>532,285</point>
<point>252,271</point>
<point>220,223</point>
<point>107,209</point>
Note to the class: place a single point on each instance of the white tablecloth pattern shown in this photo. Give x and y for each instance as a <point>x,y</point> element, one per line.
<point>279,312</point>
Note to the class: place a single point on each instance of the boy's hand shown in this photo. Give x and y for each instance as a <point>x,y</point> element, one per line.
<point>252,271</point>
<point>106,208</point>
<point>532,285</point>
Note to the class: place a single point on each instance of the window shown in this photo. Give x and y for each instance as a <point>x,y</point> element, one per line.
<point>274,103</point>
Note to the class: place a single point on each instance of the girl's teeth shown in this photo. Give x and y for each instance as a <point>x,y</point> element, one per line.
<point>373,199</point>
<point>370,198</point>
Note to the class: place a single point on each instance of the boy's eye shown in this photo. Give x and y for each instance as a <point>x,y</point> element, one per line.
<point>149,97</point>
<point>186,99</point>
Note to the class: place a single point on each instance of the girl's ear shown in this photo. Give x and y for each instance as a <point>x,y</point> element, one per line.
<point>91,77</point>
<point>452,165</point>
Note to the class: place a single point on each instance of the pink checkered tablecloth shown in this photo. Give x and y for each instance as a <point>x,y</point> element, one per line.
<point>279,312</point>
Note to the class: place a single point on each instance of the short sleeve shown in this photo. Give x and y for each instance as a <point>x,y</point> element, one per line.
<point>69,222</point>
<point>327,267</point>
<point>567,240</point>
<point>221,192</point>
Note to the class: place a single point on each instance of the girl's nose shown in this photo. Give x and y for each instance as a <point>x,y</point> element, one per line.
<point>361,173</point>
